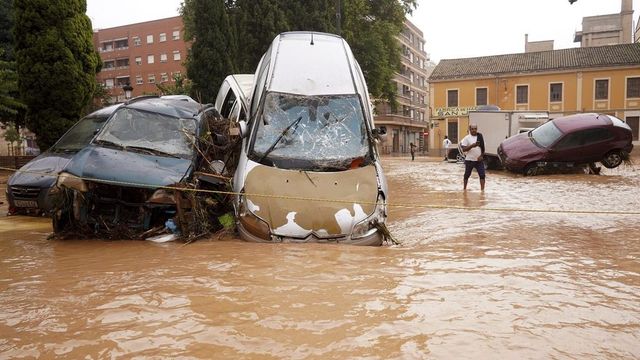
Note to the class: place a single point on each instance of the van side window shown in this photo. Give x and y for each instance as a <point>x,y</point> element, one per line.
<point>260,81</point>
<point>234,115</point>
<point>228,104</point>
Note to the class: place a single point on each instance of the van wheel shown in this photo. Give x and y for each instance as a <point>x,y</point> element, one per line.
<point>531,170</point>
<point>612,159</point>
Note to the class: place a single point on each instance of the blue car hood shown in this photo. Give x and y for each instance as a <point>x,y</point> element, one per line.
<point>127,168</point>
<point>41,171</point>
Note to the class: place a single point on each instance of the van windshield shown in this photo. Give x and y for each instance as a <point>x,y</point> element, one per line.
<point>156,133</point>
<point>79,135</point>
<point>311,132</point>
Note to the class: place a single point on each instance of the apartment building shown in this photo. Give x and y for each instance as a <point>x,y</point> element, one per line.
<point>408,123</point>
<point>140,55</point>
<point>603,79</point>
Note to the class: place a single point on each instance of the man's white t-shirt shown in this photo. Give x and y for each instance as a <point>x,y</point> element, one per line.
<point>446,143</point>
<point>474,153</point>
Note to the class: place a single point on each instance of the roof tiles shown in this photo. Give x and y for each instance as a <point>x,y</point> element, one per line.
<point>543,61</point>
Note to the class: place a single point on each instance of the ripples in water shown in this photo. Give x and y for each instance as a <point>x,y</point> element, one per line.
<point>479,284</point>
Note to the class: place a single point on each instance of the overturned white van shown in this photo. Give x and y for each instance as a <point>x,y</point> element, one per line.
<point>309,169</point>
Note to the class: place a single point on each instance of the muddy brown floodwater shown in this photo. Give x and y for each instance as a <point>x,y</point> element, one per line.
<point>543,267</point>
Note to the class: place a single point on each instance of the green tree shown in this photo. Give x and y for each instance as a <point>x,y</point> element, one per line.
<point>371,28</point>
<point>101,98</point>
<point>9,104</point>
<point>6,24</point>
<point>210,58</point>
<point>311,15</point>
<point>258,21</point>
<point>12,135</point>
<point>181,86</point>
<point>57,64</point>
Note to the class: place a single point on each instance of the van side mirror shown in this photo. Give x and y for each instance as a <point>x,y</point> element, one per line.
<point>242,125</point>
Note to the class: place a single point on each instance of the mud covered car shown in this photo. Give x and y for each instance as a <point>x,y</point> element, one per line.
<point>309,170</point>
<point>568,142</point>
<point>31,189</point>
<point>129,181</point>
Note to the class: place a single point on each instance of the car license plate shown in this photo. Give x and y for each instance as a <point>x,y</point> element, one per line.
<point>26,203</point>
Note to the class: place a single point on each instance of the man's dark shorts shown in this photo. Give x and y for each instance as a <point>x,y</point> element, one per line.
<point>470,165</point>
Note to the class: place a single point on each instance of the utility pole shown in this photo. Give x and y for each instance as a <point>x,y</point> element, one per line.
<point>339,17</point>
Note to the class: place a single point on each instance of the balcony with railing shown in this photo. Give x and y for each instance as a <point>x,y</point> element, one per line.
<point>403,116</point>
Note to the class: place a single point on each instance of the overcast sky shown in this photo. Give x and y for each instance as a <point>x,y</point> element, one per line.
<point>452,28</point>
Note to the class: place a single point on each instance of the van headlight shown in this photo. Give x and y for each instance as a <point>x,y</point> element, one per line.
<point>367,227</point>
<point>72,182</point>
<point>250,222</point>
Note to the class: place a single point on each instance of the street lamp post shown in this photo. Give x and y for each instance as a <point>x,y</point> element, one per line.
<point>128,89</point>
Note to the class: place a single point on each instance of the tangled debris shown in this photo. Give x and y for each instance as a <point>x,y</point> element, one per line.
<point>131,202</point>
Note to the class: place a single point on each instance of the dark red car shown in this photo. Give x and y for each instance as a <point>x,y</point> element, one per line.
<point>568,142</point>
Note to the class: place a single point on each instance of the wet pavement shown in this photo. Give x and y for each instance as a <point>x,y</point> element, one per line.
<point>542,267</point>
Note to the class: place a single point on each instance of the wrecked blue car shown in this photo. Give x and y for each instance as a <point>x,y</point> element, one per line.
<point>129,181</point>
<point>31,189</point>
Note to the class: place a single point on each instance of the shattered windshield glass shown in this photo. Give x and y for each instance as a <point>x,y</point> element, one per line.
<point>80,134</point>
<point>150,132</point>
<point>311,131</point>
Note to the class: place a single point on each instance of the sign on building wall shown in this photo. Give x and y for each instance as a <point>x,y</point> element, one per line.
<point>444,112</point>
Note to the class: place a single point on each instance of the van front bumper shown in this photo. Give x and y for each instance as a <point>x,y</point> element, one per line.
<point>374,239</point>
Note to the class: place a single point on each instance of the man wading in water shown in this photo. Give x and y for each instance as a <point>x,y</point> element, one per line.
<point>473,146</point>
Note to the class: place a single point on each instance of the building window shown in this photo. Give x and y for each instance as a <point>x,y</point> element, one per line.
<point>163,58</point>
<point>139,80</point>
<point>452,98</point>
<point>164,77</point>
<point>634,124</point>
<point>108,46</point>
<point>152,78</point>
<point>163,37</point>
<point>136,41</point>
<point>555,92</point>
<point>633,87</point>
<point>150,59</point>
<point>176,35</point>
<point>122,81</point>
<point>481,96</point>
<point>176,55</point>
<point>138,60</point>
<point>122,44</point>
<point>602,89</point>
<point>149,39</point>
<point>108,83</point>
<point>107,65</point>
<point>522,94</point>
<point>122,63</point>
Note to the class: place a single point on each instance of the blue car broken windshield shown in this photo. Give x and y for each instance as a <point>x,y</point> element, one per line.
<point>135,129</point>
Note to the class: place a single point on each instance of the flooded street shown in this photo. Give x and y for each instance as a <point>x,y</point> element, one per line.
<point>534,267</point>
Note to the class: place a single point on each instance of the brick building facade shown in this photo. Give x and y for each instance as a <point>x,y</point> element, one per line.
<point>140,55</point>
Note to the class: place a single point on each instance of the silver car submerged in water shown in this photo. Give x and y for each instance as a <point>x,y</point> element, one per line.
<point>309,170</point>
